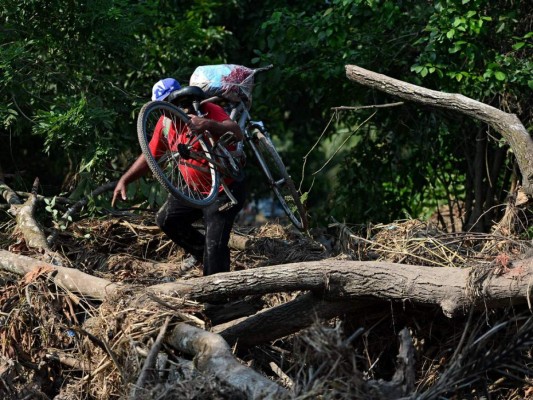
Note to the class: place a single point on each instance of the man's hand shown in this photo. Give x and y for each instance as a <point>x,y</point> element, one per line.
<point>119,192</point>
<point>198,125</point>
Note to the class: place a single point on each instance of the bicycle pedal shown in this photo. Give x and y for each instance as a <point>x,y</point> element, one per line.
<point>226,206</point>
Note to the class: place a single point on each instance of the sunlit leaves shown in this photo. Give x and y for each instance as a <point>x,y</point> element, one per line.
<point>474,45</point>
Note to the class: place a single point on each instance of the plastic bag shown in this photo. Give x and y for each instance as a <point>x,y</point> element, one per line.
<point>232,82</point>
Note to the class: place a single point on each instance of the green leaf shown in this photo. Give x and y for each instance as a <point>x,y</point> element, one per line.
<point>454,49</point>
<point>519,45</point>
<point>450,33</point>
<point>500,75</point>
<point>458,21</point>
<point>530,84</point>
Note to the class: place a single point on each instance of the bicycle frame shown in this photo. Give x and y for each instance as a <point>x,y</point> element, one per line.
<point>240,114</point>
<point>256,136</point>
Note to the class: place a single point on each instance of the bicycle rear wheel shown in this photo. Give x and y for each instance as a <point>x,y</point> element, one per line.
<point>280,181</point>
<point>183,166</point>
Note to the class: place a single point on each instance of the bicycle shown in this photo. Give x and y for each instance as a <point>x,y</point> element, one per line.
<point>212,158</point>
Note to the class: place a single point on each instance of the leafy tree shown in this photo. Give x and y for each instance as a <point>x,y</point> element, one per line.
<point>74,76</point>
<point>408,161</point>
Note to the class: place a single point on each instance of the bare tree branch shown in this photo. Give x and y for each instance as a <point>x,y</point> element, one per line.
<point>508,125</point>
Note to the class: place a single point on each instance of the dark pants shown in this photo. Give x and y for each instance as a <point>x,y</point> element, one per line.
<point>176,219</point>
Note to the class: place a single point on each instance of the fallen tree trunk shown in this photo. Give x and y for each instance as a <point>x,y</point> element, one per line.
<point>508,125</point>
<point>285,319</point>
<point>339,287</point>
<point>454,290</point>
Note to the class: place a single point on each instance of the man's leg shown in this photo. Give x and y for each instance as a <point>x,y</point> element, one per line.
<point>218,225</point>
<point>176,219</point>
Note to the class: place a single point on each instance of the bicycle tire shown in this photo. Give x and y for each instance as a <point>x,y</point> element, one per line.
<point>280,181</point>
<point>199,191</point>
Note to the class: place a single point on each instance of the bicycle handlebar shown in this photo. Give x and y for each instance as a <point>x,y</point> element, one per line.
<point>261,69</point>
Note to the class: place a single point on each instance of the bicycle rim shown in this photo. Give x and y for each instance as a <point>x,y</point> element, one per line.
<point>187,174</point>
<point>281,182</point>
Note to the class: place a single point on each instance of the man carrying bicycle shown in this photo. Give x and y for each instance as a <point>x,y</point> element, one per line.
<point>175,218</point>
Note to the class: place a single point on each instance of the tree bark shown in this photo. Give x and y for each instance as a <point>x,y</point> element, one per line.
<point>508,125</point>
<point>69,278</point>
<point>213,355</point>
<point>30,229</point>
<point>453,289</point>
<point>285,319</point>
<point>9,194</point>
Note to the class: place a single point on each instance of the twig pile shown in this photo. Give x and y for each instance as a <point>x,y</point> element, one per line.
<point>54,342</point>
<point>420,243</point>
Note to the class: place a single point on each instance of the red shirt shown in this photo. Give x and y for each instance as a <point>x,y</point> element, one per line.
<point>196,173</point>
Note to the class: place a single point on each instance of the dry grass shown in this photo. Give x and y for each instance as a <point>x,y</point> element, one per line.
<point>43,327</point>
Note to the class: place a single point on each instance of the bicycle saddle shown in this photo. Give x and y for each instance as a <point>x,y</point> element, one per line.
<point>187,93</point>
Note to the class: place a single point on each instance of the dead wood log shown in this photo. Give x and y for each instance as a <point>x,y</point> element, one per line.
<point>453,289</point>
<point>9,194</point>
<point>68,278</point>
<point>70,361</point>
<point>508,125</point>
<point>31,230</point>
<point>28,226</point>
<point>285,319</point>
<point>404,378</point>
<point>213,355</point>
<point>239,241</point>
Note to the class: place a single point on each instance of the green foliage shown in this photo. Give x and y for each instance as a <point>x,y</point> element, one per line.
<point>406,162</point>
<point>478,47</point>
<point>50,208</point>
<point>74,76</point>
<point>81,129</point>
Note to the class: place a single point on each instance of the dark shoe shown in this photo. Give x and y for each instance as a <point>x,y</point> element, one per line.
<point>189,263</point>
<point>189,266</point>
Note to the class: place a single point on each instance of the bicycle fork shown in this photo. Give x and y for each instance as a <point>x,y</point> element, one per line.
<point>250,138</point>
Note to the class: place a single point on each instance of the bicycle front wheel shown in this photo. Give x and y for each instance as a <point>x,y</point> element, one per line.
<point>182,162</point>
<point>280,181</point>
